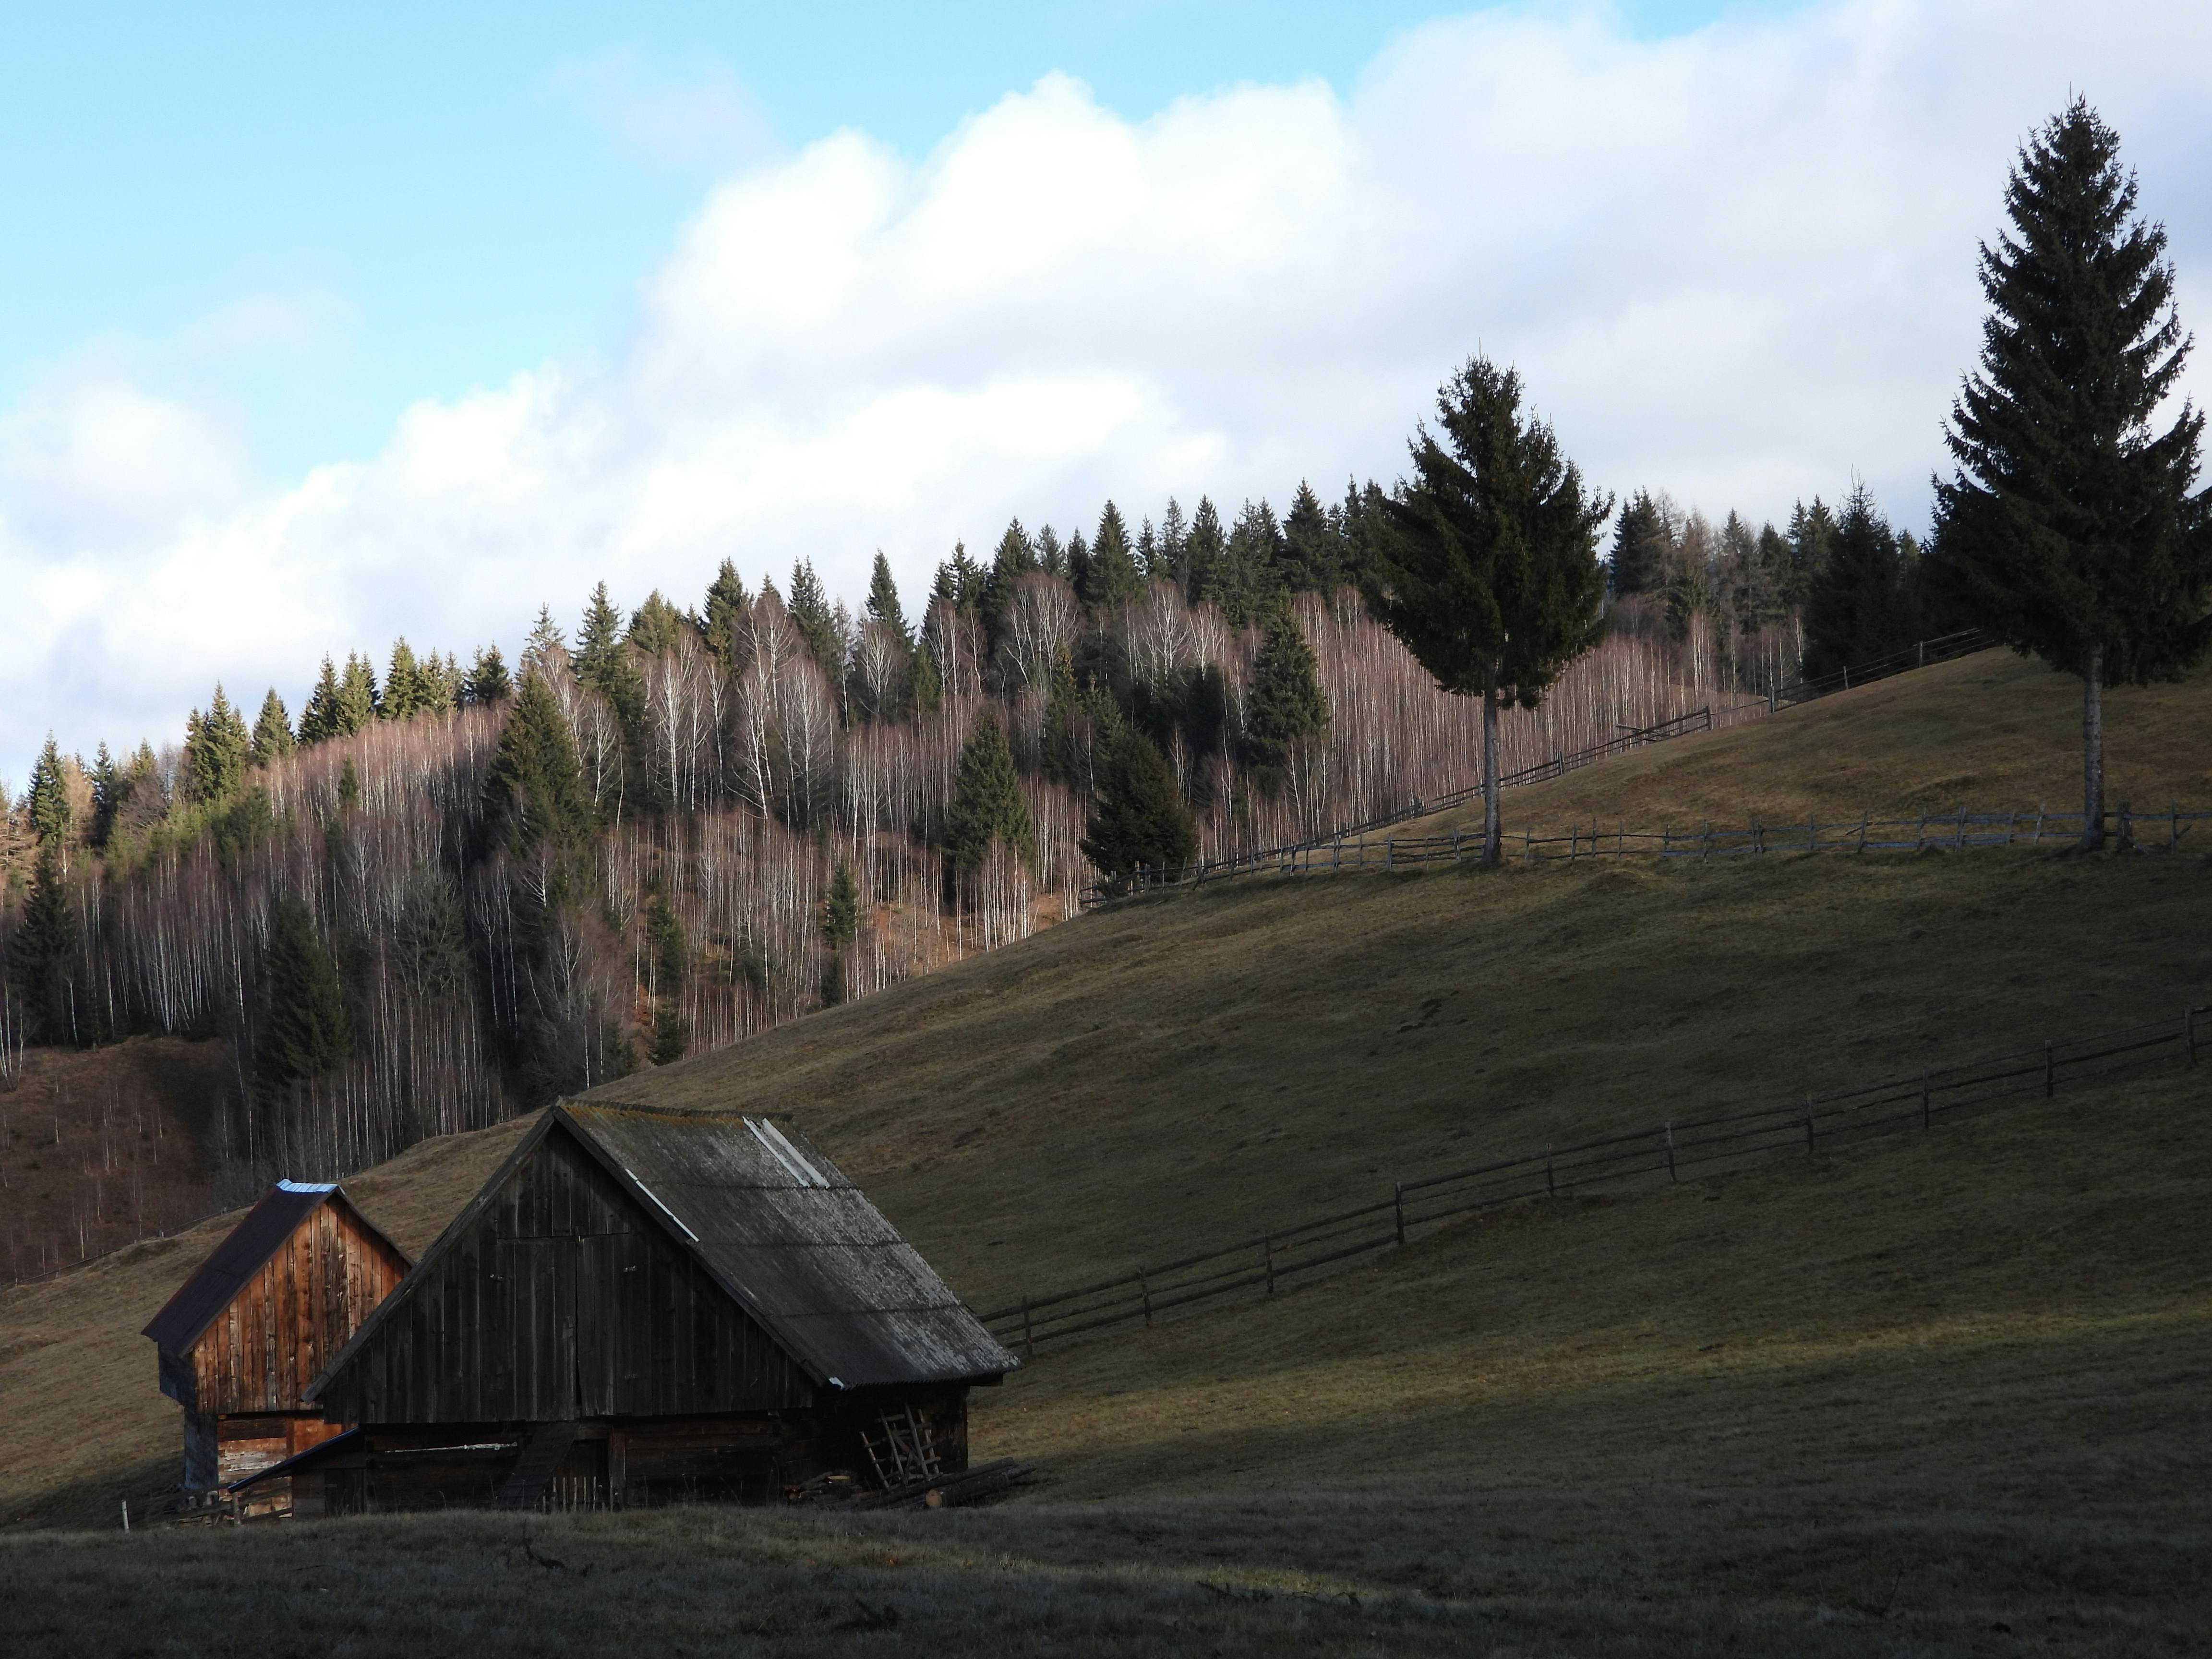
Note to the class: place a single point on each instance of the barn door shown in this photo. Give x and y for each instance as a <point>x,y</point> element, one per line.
<point>540,1277</point>
<point>613,1325</point>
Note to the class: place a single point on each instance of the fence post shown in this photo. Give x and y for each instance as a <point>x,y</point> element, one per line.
<point>1267,1260</point>
<point>1387,843</point>
<point>1958,840</point>
<point>1029,1335</point>
<point>1926,1117</point>
<point>1455,835</point>
<point>1670,1152</point>
<point>2050,1072</point>
<point>1808,1126</point>
<point>1398,1207</point>
<point>2173,826</point>
<point>1145,1289</point>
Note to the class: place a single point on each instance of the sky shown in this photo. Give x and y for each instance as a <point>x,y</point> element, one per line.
<point>320,327</point>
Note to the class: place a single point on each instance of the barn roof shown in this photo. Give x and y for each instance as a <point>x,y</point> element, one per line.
<point>242,1254</point>
<point>780,1228</point>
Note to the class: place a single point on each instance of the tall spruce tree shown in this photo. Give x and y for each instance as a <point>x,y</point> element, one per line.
<point>1642,540</point>
<point>319,719</point>
<point>534,790</point>
<point>726,603</point>
<point>816,619</point>
<point>218,748</point>
<point>2071,528</point>
<point>1203,549</point>
<point>272,731</point>
<point>1313,545</point>
<point>357,696</point>
<point>656,626</point>
<point>405,693</point>
<point>1860,603</point>
<point>883,599</point>
<point>46,803</point>
<point>1114,577</point>
<point>486,683</point>
<point>1141,822</point>
<point>42,951</point>
<point>1285,705</point>
<point>987,806</point>
<point>305,1031</point>
<point>1487,568</point>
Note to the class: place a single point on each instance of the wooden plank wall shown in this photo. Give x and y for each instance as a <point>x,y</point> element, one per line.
<point>563,1299</point>
<point>291,1318</point>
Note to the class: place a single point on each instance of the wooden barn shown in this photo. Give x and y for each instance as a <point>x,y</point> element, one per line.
<point>646,1306</point>
<point>261,1319</point>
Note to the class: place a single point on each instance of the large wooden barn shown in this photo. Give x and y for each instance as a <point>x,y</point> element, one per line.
<point>646,1306</point>
<point>259,1321</point>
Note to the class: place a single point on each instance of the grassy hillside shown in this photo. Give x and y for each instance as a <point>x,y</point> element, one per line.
<point>1886,1400</point>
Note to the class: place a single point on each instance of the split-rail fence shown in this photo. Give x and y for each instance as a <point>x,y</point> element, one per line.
<point>1256,1267</point>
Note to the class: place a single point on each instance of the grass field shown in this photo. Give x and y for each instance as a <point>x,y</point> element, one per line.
<point>1887,1400</point>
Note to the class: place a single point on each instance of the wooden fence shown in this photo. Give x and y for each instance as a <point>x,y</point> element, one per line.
<point>1955,832</point>
<point>1256,1267</point>
<point>1943,648</point>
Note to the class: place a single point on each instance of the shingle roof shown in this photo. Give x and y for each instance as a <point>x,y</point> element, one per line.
<point>240,1255</point>
<point>798,1245</point>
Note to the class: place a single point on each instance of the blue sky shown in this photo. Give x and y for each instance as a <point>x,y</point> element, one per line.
<point>320,326</point>
<point>441,194</point>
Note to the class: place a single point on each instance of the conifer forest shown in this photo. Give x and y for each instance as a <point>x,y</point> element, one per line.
<point>437,894</point>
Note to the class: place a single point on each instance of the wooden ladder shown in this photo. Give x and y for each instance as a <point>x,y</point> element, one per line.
<point>904,1451</point>
<point>534,1470</point>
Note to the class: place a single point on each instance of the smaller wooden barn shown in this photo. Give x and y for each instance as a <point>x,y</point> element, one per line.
<point>259,1321</point>
<point>648,1306</point>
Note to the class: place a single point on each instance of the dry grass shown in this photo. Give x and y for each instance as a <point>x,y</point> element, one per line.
<point>1883,1402</point>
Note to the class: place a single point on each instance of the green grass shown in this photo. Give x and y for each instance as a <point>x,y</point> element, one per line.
<point>1881,1400</point>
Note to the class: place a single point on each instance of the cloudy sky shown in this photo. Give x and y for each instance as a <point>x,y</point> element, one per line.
<point>314,333</point>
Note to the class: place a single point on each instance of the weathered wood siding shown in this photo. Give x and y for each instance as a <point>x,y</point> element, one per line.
<point>290,1319</point>
<point>563,1300</point>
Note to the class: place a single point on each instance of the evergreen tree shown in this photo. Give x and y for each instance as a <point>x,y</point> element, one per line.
<point>272,731</point>
<point>598,655</point>
<point>1051,557</point>
<point>218,748</point>
<point>1113,576</point>
<point>1141,823</point>
<point>1488,570</point>
<point>357,698</point>
<point>320,720</point>
<point>546,640</point>
<point>109,786</point>
<point>1643,541</point>
<point>2071,529</point>
<point>348,786</point>
<point>656,626</point>
<point>671,947</point>
<point>406,695</point>
<point>1360,520</point>
<point>1861,605</point>
<point>1169,561</point>
<point>1286,704</point>
<point>987,803</point>
<point>726,603</point>
<point>1247,577</point>
<point>883,599</point>
<point>1313,545</point>
<point>46,805</point>
<point>534,788</point>
<point>486,683</point>
<point>1812,542</point>
<point>42,951</point>
<point>305,1031</point>
<point>1079,563</point>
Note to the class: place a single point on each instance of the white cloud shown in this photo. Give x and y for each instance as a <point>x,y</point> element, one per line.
<point>1738,265</point>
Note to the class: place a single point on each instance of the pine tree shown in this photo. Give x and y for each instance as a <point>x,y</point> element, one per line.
<point>1285,705</point>
<point>405,694</point>
<point>46,800</point>
<point>987,803</point>
<point>2070,528</point>
<point>1203,549</point>
<point>1860,604</point>
<point>1642,542</point>
<point>841,908</point>
<point>1313,545</point>
<point>816,620</point>
<point>1488,569</point>
<point>357,698</point>
<point>883,599</point>
<point>305,1031</point>
<point>1113,576</point>
<point>486,683</point>
<point>42,951</point>
<point>109,788</point>
<point>272,732</point>
<point>546,640</point>
<point>598,655</point>
<point>1812,542</point>
<point>348,786</point>
<point>320,720</point>
<point>726,603</point>
<point>217,747</point>
<point>1247,579</point>
<point>1141,823</point>
<point>534,788</point>
<point>656,626</point>
<point>1051,557</point>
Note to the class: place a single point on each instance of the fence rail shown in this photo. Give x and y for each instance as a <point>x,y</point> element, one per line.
<point>1921,655</point>
<point>1958,832</point>
<point>1843,1117</point>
